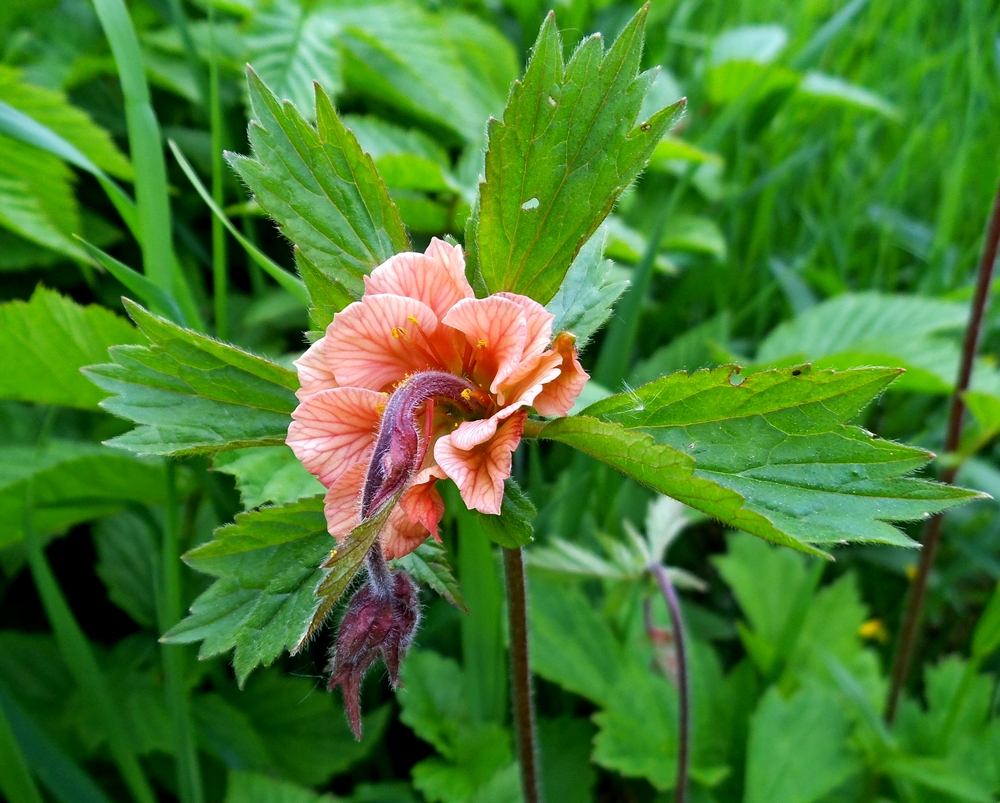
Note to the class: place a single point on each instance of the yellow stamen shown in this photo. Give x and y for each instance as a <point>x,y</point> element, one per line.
<point>380,408</point>
<point>466,394</point>
<point>398,333</point>
<point>481,344</point>
<point>412,319</point>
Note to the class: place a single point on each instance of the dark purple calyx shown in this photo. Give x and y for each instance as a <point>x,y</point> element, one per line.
<point>380,621</point>
<point>399,449</point>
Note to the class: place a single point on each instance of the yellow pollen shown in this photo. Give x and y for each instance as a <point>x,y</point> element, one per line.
<point>874,630</point>
<point>380,408</point>
<point>412,319</point>
<point>481,344</point>
<point>466,394</point>
<point>398,333</point>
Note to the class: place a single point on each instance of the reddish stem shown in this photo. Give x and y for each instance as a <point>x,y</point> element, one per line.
<point>910,629</point>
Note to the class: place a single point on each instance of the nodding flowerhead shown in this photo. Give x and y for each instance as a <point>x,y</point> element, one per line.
<point>421,381</point>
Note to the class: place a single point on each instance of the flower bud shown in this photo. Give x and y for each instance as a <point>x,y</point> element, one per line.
<point>381,620</point>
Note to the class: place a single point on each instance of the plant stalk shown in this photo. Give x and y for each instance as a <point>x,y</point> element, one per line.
<point>683,681</point>
<point>220,278</point>
<point>169,610</point>
<point>520,673</point>
<point>910,629</point>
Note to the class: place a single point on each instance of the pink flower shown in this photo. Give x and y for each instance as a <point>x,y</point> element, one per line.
<point>421,380</point>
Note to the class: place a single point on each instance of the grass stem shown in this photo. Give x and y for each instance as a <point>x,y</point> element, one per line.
<point>220,278</point>
<point>520,673</point>
<point>169,612</point>
<point>910,629</point>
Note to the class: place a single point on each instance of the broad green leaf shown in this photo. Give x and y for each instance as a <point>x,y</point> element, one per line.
<point>47,340</point>
<point>320,187</point>
<point>695,233</point>
<point>290,45</point>
<point>567,772</point>
<point>267,475</point>
<point>772,455</point>
<point>279,575</point>
<point>428,564</point>
<point>191,394</point>
<point>406,158</point>
<point>449,69</point>
<point>939,776</point>
<point>251,787</point>
<point>856,329</point>
<point>127,563</point>
<point>830,88</point>
<point>480,770</point>
<point>512,526</point>
<point>570,142</point>
<point>570,644</point>
<point>986,636</point>
<point>36,198</point>
<point>589,290</point>
<point>301,730</point>
<point>432,698</point>
<point>797,751</point>
<point>73,482</point>
<point>53,111</point>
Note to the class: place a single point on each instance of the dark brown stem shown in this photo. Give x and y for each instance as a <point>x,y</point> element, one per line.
<point>520,673</point>
<point>683,686</point>
<point>910,629</point>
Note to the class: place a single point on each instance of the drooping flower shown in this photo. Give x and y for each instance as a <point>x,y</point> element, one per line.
<point>418,381</point>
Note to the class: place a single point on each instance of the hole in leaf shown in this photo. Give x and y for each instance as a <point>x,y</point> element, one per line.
<point>531,203</point>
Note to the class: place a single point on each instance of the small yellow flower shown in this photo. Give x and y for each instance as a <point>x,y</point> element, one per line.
<point>874,630</point>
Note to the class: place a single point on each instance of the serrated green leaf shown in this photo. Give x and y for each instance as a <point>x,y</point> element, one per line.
<point>191,394</point>
<point>772,455</point>
<point>320,187</point>
<point>512,526</point>
<point>327,296</point>
<point>797,751</point>
<point>46,340</point>
<point>279,575</point>
<point>587,294</point>
<point>569,144</point>
<point>268,568</point>
<point>73,482</point>
<point>267,475</point>
<point>428,564</point>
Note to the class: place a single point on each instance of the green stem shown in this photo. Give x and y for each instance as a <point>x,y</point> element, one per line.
<point>520,673</point>
<point>220,278</point>
<point>76,651</point>
<point>168,614</point>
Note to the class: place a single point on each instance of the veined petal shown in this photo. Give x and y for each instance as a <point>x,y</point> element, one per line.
<point>401,536</point>
<point>375,342</point>
<point>525,384</point>
<point>437,277</point>
<point>315,371</point>
<point>559,394</point>
<point>333,429</point>
<point>422,502</point>
<point>342,504</point>
<point>539,323</point>
<point>495,328</point>
<point>480,472</point>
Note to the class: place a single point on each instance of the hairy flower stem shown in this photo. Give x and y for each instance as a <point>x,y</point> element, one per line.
<point>910,629</point>
<point>520,673</point>
<point>683,685</point>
